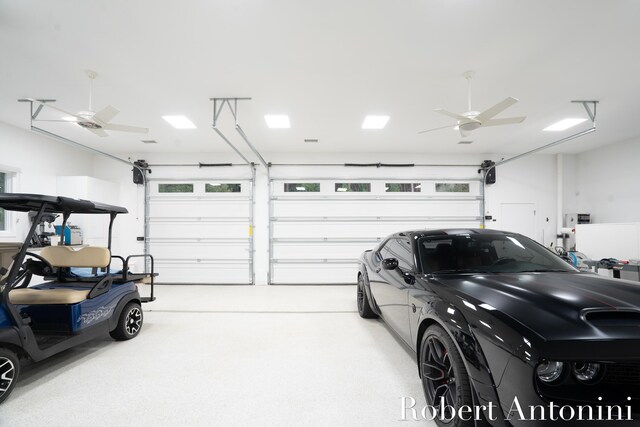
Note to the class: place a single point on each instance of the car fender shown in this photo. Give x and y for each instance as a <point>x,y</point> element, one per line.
<point>362,271</point>
<point>126,299</point>
<point>454,321</point>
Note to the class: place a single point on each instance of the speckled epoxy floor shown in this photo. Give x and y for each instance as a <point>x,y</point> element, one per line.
<point>228,356</point>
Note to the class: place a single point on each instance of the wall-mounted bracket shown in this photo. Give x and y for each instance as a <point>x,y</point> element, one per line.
<point>590,112</point>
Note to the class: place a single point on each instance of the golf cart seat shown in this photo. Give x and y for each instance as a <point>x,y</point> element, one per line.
<point>63,257</point>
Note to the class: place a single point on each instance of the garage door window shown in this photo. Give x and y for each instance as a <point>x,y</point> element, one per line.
<point>309,187</point>
<point>447,187</point>
<point>222,188</point>
<point>344,187</point>
<point>402,188</point>
<point>175,188</point>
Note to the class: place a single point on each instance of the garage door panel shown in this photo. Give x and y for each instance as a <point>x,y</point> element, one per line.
<point>314,273</point>
<point>189,273</point>
<point>198,229</point>
<point>333,208</point>
<point>177,208</point>
<point>321,251</point>
<point>193,251</point>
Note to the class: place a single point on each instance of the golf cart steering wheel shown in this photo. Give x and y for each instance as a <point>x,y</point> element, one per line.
<point>41,267</point>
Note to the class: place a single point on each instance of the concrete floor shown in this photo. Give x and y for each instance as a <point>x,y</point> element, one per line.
<point>228,356</point>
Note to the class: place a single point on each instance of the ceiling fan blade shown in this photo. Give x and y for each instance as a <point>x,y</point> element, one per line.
<point>507,121</point>
<point>105,115</point>
<point>431,130</point>
<point>50,105</point>
<point>125,128</point>
<point>100,132</point>
<point>496,109</point>
<point>450,114</point>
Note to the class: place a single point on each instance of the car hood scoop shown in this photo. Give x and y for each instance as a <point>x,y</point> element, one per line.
<point>606,318</point>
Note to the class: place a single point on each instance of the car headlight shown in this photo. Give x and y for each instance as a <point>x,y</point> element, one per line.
<point>586,372</point>
<point>549,371</point>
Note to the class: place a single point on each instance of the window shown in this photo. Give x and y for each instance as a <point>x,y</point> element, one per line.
<point>444,187</point>
<point>402,188</point>
<point>175,188</point>
<point>222,188</point>
<point>309,187</point>
<point>353,187</point>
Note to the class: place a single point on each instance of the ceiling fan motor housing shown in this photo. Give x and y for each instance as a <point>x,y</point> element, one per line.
<point>89,125</point>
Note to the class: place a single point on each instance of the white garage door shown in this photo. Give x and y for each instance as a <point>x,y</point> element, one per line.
<point>200,230</point>
<point>319,227</point>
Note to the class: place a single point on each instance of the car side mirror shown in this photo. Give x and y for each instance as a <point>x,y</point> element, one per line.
<point>390,263</point>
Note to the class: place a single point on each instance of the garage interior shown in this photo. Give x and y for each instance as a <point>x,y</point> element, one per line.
<point>256,226</point>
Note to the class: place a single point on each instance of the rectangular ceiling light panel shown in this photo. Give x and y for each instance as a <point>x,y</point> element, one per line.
<point>179,122</point>
<point>277,121</point>
<point>564,125</point>
<point>375,122</point>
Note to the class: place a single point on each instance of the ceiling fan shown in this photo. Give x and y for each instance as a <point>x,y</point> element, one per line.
<point>97,123</point>
<point>472,120</point>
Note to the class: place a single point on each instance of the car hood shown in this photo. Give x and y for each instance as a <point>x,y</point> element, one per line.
<point>553,305</point>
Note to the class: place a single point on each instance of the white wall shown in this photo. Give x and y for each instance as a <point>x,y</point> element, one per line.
<point>605,183</point>
<point>37,161</point>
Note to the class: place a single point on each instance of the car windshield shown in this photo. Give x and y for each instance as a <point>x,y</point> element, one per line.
<point>487,253</point>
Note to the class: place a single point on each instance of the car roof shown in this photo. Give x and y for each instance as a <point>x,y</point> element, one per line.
<point>55,204</point>
<point>448,232</point>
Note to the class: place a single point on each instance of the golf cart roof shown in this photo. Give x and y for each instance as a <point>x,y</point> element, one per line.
<point>55,204</point>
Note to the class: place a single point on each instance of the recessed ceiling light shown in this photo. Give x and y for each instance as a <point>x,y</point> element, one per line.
<point>375,122</point>
<point>179,122</point>
<point>311,140</point>
<point>149,141</point>
<point>564,125</point>
<point>465,142</point>
<point>277,121</point>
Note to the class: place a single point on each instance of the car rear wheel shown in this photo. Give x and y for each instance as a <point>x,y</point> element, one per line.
<point>444,377</point>
<point>364,308</point>
<point>129,323</point>
<point>9,371</point>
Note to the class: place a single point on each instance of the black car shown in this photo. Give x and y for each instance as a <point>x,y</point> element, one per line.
<point>506,332</point>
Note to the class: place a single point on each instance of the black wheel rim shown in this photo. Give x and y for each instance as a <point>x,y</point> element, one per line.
<point>7,373</point>
<point>133,321</point>
<point>360,296</point>
<point>438,376</point>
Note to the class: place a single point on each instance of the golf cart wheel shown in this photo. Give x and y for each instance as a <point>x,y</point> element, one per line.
<point>129,323</point>
<point>9,371</point>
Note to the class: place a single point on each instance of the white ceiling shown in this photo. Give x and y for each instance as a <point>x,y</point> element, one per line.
<point>326,64</point>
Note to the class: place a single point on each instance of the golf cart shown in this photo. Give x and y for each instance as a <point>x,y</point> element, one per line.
<point>80,295</point>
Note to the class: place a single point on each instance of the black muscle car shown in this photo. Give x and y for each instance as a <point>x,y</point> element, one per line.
<point>501,323</point>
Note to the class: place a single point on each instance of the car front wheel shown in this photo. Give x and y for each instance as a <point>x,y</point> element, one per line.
<point>444,378</point>
<point>9,371</point>
<point>364,308</point>
<point>129,323</point>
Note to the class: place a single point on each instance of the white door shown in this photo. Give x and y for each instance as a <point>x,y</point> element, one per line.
<point>519,218</point>
<point>200,231</point>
